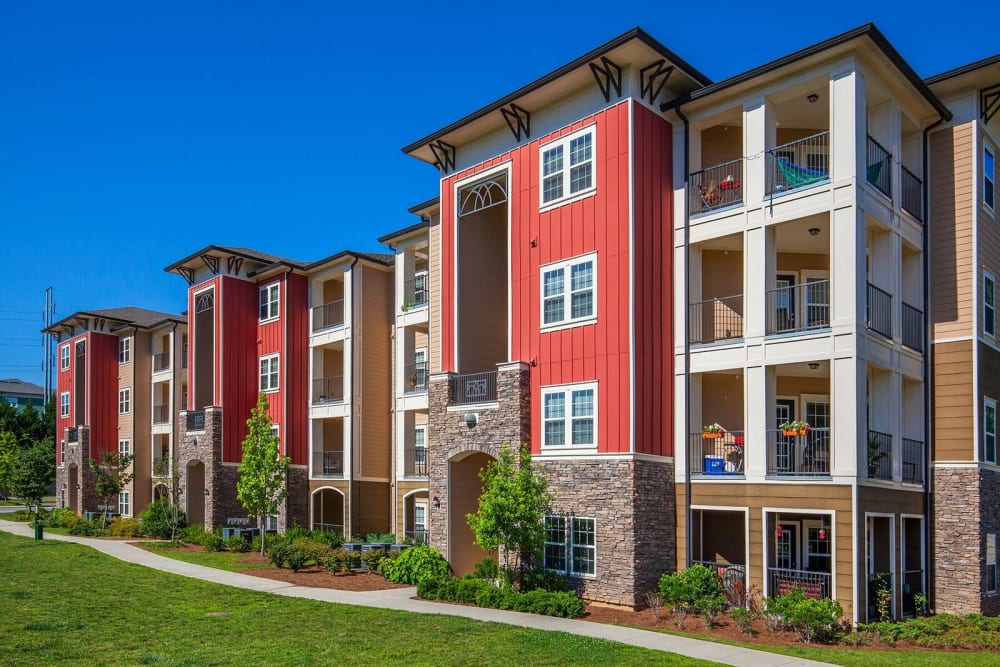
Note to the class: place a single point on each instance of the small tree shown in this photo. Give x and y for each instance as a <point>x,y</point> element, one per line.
<point>8,452</point>
<point>34,469</point>
<point>111,475</point>
<point>511,507</point>
<point>261,485</point>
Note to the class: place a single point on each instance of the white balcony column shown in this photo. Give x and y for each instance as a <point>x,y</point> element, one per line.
<point>405,426</point>
<point>405,261</point>
<point>895,283</point>
<point>897,417</point>
<point>680,314</point>
<point>694,275</point>
<point>895,146</point>
<point>758,402</point>
<point>847,124</point>
<point>849,389</point>
<point>759,267</point>
<point>848,271</point>
<point>759,131</point>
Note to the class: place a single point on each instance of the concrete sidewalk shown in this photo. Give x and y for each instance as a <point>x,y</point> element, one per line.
<point>402,599</point>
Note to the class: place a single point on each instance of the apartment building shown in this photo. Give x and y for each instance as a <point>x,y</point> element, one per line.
<point>964,254</point>
<point>109,378</point>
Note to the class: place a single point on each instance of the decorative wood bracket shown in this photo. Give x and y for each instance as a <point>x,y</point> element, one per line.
<point>212,262</point>
<point>188,274</point>
<point>233,265</point>
<point>444,155</point>
<point>608,76</point>
<point>989,102</point>
<point>652,79</point>
<point>518,120</point>
<point>83,322</point>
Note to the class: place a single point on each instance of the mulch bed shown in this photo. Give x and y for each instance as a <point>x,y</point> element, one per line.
<point>318,577</point>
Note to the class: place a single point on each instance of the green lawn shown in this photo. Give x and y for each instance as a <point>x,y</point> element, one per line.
<point>70,605</point>
<point>223,560</point>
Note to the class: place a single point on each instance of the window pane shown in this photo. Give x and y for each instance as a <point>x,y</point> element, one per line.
<point>552,283</point>
<point>582,276</point>
<point>552,188</point>
<point>580,149</point>
<point>552,161</point>
<point>554,310</point>
<point>555,433</point>
<point>580,178</point>
<point>583,403</point>
<point>583,431</point>
<point>582,305</point>
<point>555,406</point>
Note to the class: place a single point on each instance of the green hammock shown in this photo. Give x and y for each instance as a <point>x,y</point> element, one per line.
<point>796,175</point>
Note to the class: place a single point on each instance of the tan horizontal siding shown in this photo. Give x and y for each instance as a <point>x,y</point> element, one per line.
<point>953,411</point>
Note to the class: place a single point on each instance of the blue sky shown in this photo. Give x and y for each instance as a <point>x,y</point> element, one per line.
<point>132,134</point>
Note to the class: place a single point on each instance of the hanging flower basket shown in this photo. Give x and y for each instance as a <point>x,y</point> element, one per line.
<point>712,431</point>
<point>794,428</point>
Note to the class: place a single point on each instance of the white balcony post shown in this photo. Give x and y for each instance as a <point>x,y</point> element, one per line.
<point>758,136</point>
<point>847,124</point>
<point>849,400</point>
<point>758,277</point>
<point>758,402</point>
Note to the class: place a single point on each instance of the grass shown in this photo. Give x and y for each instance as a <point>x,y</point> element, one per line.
<point>70,605</point>
<point>222,560</point>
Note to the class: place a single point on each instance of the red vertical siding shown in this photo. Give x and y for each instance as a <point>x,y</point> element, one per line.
<point>238,379</point>
<point>215,283</point>
<point>102,393</point>
<point>653,294</point>
<point>64,382</point>
<point>295,438</point>
<point>271,340</point>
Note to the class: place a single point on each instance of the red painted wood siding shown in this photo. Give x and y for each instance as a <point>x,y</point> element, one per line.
<point>215,283</point>
<point>64,383</point>
<point>271,340</point>
<point>102,393</point>
<point>238,376</point>
<point>599,223</point>
<point>295,438</point>
<point>654,377</point>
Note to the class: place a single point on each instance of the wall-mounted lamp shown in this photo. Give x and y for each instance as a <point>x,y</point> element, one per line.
<point>64,486</point>
<point>812,97</point>
<point>533,242</point>
<point>813,366</point>
<point>471,419</point>
<point>814,231</point>
<point>436,502</point>
<point>206,492</point>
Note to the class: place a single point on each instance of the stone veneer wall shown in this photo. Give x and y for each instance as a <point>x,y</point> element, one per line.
<point>633,504</point>
<point>966,509</point>
<point>78,454</point>
<point>295,509</point>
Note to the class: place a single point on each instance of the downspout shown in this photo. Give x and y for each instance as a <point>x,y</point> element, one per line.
<point>350,472</point>
<point>928,376</point>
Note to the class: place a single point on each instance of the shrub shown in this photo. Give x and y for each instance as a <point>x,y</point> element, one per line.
<point>335,561</point>
<point>277,552</point>
<point>296,557</point>
<point>429,588</point>
<point>213,541</point>
<point>474,590</point>
<point>85,528</point>
<point>744,619</point>
<point>332,540</point>
<point>416,564</point>
<point>55,516</point>
<point>655,603</point>
<point>564,605</point>
<point>157,519</point>
<point>192,534</point>
<point>487,569</point>
<point>812,620</point>
<point>380,538</point>
<point>122,527</point>
<point>238,544</point>
<point>297,532</point>
<point>545,580</point>
<point>696,589</point>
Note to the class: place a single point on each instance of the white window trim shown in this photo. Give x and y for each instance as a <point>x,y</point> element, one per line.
<point>992,178</point>
<point>261,375</point>
<point>576,196</point>
<point>127,449</point>
<point>124,349</point>
<point>987,276</point>
<point>125,398</point>
<point>420,428</point>
<point>566,265</point>
<point>64,357</point>
<point>568,543</point>
<point>567,391</point>
<point>64,406</point>
<point>991,586</point>
<point>271,316</point>
<point>990,403</point>
<point>124,503</point>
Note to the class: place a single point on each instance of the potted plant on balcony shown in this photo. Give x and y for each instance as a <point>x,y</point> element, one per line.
<point>407,305</point>
<point>712,431</point>
<point>875,456</point>
<point>413,381</point>
<point>794,428</point>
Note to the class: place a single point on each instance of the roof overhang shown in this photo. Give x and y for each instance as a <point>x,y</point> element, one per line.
<point>982,76</point>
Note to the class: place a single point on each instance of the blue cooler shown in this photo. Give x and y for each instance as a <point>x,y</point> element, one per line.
<point>715,465</point>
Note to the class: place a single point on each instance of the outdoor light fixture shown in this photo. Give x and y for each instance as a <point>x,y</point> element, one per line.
<point>206,492</point>
<point>64,486</point>
<point>436,502</point>
<point>471,419</point>
<point>812,97</point>
<point>813,366</point>
<point>814,231</point>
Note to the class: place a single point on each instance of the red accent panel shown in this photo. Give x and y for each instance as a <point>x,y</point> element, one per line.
<point>237,377</point>
<point>64,382</point>
<point>295,437</point>
<point>654,373</point>
<point>102,393</point>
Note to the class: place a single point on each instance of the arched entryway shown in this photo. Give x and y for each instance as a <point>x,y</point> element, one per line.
<point>464,489</point>
<point>195,493</point>
<point>327,511</point>
<point>72,493</point>
<point>416,517</point>
<point>160,492</point>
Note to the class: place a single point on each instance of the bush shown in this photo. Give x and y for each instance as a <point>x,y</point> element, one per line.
<point>487,569</point>
<point>332,540</point>
<point>213,541</point>
<point>158,518</point>
<point>696,589</point>
<point>85,528</point>
<point>238,544</point>
<point>429,588</point>
<point>121,527</point>
<point>416,564</point>
<point>277,552</point>
<point>811,619</point>
<point>191,534</point>
<point>744,620</point>
<point>545,580</point>
<point>974,631</point>
<point>380,538</point>
<point>474,590</point>
<point>56,516</point>
<point>335,561</point>
<point>563,605</point>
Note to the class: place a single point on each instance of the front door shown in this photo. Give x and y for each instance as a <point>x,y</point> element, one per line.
<point>786,546</point>
<point>784,451</point>
<point>784,303</point>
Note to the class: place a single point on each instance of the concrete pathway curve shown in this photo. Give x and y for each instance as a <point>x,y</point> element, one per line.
<point>402,599</point>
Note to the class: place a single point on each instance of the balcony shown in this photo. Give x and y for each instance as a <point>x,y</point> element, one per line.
<point>798,164</point>
<point>913,461</point>
<point>878,167</point>
<point>879,314</point>
<point>913,327</point>
<point>196,420</point>
<point>733,579</point>
<point>716,320</point>
<point>717,454</point>
<point>804,455</point>
<point>328,390</point>
<point>416,378</point>
<point>798,308</point>
<point>161,467</point>
<point>328,464</point>
<point>415,293</point>
<point>717,187</point>
<point>161,414</point>
<point>816,585</point>
<point>879,455</point>
<point>417,536</point>
<point>415,461</point>
<point>328,315</point>
<point>911,194</point>
<point>161,362</point>
<point>472,388</point>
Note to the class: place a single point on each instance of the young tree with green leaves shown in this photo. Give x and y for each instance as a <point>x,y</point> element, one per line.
<point>111,475</point>
<point>8,450</point>
<point>34,470</point>
<point>512,507</point>
<point>261,485</point>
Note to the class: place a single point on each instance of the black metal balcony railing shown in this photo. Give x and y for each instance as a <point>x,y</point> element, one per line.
<point>798,164</point>
<point>733,578</point>
<point>913,584</point>
<point>415,377</point>
<point>911,194</point>
<point>196,420</point>
<point>418,535</point>
<point>73,435</point>
<point>328,389</point>
<point>878,167</point>
<point>814,585</point>
<point>328,315</point>
<point>415,292</point>
<point>161,467</point>
<point>161,361</point>
<point>415,461</point>
<point>716,319</point>
<point>798,307</point>
<point>722,455</point>
<point>913,461</point>
<point>717,187</point>
<point>879,311</point>
<point>913,327</point>
<point>879,454</point>
<point>470,388</point>
<point>799,455</point>
<point>328,464</point>
<point>161,414</point>
<point>335,528</point>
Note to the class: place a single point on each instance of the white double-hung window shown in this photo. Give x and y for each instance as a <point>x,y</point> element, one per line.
<point>569,292</point>
<point>567,167</point>
<point>570,545</point>
<point>989,304</point>
<point>569,416</point>
<point>269,302</point>
<point>269,373</point>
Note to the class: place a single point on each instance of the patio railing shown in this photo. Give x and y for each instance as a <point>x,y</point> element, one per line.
<point>879,311</point>
<point>161,361</point>
<point>328,389</point>
<point>415,293</point>
<point>335,528</point>
<point>913,461</point>
<point>716,319</point>
<point>717,187</point>
<point>879,449</point>
<point>415,461</point>
<point>721,455</point>
<point>911,196</point>
<point>878,169</point>
<point>798,164</point>
<point>471,388</point>
<point>814,585</point>
<point>328,315</point>
<point>328,464</point>
<point>417,535</point>
<point>798,307</point>
<point>913,327</point>
<point>799,455</point>
<point>416,378</point>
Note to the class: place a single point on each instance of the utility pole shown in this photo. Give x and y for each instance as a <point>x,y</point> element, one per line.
<point>47,341</point>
